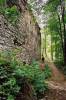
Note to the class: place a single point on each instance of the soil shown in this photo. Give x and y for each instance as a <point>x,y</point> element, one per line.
<point>56,84</point>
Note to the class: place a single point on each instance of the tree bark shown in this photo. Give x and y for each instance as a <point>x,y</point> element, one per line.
<point>51,48</point>
<point>45,46</point>
<point>64,30</point>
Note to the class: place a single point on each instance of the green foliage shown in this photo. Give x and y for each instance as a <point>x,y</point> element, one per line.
<point>55,28</point>
<point>2,6</point>
<point>65,19</point>
<point>39,77</point>
<point>53,23</point>
<point>2,2</point>
<point>10,97</point>
<point>52,5</point>
<point>12,14</point>
<point>8,82</point>
<point>34,74</point>
<point>47,71</point>
<point>11,71</point>
<point>59,64</point>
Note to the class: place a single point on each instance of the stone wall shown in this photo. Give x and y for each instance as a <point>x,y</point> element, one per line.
<point>25,35</point>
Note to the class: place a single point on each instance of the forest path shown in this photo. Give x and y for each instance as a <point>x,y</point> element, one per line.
<point>58,79</point>
<point>57,75</point>
<point>56,84</point>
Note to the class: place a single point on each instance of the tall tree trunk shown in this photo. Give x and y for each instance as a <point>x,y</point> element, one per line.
<point>45,45</point>
<point>60,30</point>
<point>56,56</point>
<point>64,30</point>
<point>51,48</point>
<point>61,34</point>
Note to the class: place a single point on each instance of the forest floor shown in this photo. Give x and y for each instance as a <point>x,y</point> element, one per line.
<point>57,75</point>
<point>57,78</point>
<point>56,84</point>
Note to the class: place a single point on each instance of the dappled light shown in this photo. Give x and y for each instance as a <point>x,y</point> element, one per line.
<point>32,49</point>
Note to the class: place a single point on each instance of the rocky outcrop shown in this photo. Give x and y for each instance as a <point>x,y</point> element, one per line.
<point>25,35</point>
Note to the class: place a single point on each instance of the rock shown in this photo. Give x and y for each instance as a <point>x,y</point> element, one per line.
<point>27,32</point>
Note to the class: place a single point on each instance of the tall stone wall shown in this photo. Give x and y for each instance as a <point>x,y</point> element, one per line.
<point>25,35</point>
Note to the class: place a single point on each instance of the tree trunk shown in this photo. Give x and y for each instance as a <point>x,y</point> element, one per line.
<point>64,30</point>
<point>51,48</point>
<point>45,45</point>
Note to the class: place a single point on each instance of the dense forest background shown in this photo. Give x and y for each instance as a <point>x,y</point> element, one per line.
<point>53,31</point>
<point>32,49</point>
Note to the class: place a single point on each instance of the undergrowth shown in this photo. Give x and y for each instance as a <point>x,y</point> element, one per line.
<point>11,70</point>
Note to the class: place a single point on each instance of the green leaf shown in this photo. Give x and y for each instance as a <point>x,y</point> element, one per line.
<point>10,97</point>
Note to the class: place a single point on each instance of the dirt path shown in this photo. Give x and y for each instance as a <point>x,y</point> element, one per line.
<point>57,75</point>
<point>56,84</point>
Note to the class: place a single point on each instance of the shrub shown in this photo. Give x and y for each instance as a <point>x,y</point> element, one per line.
<point>8,82</point>
<point>40,77</point>
<point>12,72</point>
<point>11,14</point>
